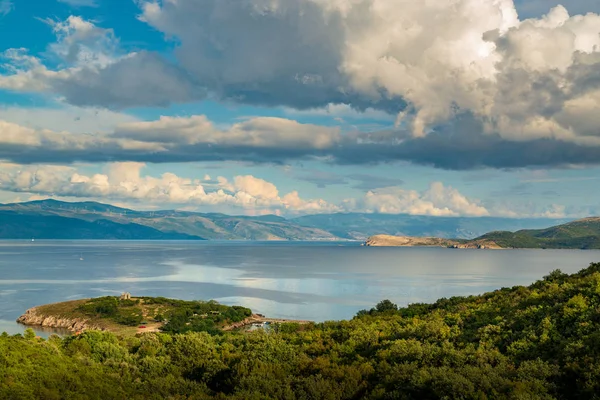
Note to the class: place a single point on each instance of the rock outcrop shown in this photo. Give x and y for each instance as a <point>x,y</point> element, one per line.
<point>33,317</point>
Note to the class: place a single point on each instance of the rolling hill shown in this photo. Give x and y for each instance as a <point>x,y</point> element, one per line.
<point>580,234</point>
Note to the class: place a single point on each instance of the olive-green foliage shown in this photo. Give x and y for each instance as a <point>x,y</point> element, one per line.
<point>580,234</point>
<point>181,316</point>
<point>197,316</point>
<point>537,342</point>
<point>124,312</point>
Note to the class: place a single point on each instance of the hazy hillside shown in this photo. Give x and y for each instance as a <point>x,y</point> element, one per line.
<point>33,219</point>
<point>18,226</point>
<point>27,220</point>
<point>360,226</point>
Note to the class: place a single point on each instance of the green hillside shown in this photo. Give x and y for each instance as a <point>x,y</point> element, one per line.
<point>581,234</point>
<point>536,342</point>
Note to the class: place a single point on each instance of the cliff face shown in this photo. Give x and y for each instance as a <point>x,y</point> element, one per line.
<point>33,317</point>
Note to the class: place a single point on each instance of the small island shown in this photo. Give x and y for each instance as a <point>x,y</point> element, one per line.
<point>582,234</point>
<point>408,241</point>
<point>128,316</point>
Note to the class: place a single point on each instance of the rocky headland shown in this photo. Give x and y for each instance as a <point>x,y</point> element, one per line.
<point>408,241</point>
<point>129,315</point>
<point>35,317</point>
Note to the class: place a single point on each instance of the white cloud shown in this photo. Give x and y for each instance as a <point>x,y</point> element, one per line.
<point>438,200</point>
<point>438,64</point>
<point>532,210</point>
<point>256,187</point>
<point>125,182</point>
<point>255,132</point>
<point>81,43</point>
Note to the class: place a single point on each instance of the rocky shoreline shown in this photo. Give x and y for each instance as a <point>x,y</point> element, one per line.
<point>33,317</point>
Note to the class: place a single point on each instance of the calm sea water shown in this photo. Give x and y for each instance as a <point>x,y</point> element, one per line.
<point>314,281</point>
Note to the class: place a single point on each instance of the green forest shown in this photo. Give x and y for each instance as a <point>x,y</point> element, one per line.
<point>536,342</point>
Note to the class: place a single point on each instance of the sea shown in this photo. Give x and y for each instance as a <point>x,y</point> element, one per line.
<point>315,281</point>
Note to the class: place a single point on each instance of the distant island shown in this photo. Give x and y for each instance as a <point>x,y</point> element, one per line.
<point>127,315</point>
<point>407,241</point>
<point>580,234</point>
<point>52,219</point>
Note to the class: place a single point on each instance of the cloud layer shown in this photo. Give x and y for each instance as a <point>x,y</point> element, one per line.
<point>125,183</point>
<point>279,141</point>
<point>470,84</point>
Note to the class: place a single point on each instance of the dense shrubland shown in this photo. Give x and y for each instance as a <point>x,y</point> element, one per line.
<point>536,342</point>
<point>179,316</point>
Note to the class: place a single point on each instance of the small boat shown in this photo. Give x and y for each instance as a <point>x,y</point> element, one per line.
<point>81,257</point>
<point>32,239</point>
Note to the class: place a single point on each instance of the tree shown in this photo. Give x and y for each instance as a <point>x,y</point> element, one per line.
<point>385,306</point>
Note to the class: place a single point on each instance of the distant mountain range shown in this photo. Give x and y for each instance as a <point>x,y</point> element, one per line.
<point>52,219</point>
<point>580,234</point>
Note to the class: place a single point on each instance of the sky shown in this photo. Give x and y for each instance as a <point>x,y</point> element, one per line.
<point>293,107</point>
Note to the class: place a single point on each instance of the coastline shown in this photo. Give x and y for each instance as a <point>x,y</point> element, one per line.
<point>34,317</point>
<point>41,316</point>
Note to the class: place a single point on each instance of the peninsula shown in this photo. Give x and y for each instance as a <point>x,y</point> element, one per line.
<point>128,316</point>
<point>408,241</point>
<point>580,234</point>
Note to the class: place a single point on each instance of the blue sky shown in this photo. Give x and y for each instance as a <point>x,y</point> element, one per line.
<point>295,107</point>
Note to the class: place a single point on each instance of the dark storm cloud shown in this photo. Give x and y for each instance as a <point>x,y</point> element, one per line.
<point>143,79</point>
